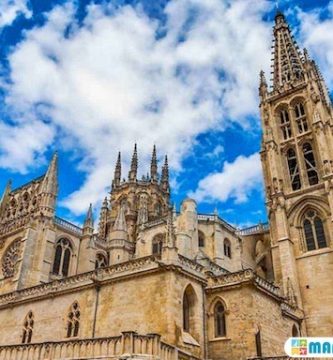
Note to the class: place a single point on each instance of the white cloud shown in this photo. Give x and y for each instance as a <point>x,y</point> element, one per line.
<point>237,180</point>
<point>113,81</point>
<point>24,144</point>
<point>10,9</point>
<point>316,35</point>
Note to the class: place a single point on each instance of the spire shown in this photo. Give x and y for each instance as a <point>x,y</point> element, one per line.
<point>117,172</point>
<point>120,223</point>
<point>287,64</point>
<point>50,182</point>
<point>134,165</point>
<point>5,195</point>
<point>103,219</point>
<point>153,166</point>
<point>89,220</point>
<point>165,175</point>
<point>263,84</point>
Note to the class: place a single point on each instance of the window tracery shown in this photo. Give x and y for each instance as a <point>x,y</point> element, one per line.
<point>10,259</point>
<point>293,170</point>
<point>285,124</point>
<point>314,231</point>
<point>227,248</point>
<point>300,118</point>
<point>62,258</point>
<point>101,261</point>
<point>310,164</point>
<point>219,320</point>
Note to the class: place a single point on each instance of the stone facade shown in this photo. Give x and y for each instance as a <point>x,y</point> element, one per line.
<point>154,283</point>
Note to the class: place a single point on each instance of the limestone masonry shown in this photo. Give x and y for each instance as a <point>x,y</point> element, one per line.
<point>152,283</point>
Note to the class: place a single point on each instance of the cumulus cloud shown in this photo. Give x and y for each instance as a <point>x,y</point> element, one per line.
<point>115,79</point>
<point>316,35</point>
<point>237,180</point>
<point>23,144</point>
<point>10,9</point>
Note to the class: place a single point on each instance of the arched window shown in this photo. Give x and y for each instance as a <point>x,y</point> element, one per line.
<point>157,244</point>
<point>27,328</point>
<point>101,261</point>
<point>293,170</point>
<point>300,118</point>
<point>285,124</point>
<point>73,322</point>
<point>62,258</point>
<point>189,301</point>
<point>201,239</point>
<point>227,248</point>
<point>314,232</point>
<point>219,320</point>
<point>295,331</point>
<point>310,164</point>
<point>186,313</point>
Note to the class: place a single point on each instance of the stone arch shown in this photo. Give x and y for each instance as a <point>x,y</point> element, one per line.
<point>63,256</point>
<point>73,320</point>
<point>297,210</point>
<point>201,239</point>
<point>101,259</point>
<point>189,304</point>
<point>157,244</point>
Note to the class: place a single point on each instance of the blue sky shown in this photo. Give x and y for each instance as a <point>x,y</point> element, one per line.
<point>89,78</point>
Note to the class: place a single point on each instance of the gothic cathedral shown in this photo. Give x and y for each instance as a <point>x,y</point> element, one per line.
<point>153,283</point>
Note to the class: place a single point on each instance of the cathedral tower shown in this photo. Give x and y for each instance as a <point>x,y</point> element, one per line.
<point>297,160</point>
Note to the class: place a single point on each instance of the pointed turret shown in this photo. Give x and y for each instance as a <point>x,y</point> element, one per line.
<point>165,175</point>
<point>263,85</point>
<point>50,182</point>
<point>49,189</point>
<point>117,172</point>
<point>103,219</point>
<point>134,165</point>
<point>4,197</point>
<point>89,220</point>
<point>287,63</point>
<point>153,166</point>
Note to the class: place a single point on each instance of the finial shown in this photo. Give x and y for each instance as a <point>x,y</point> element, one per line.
<point>165,175</point>
<point>89,220</point>
<point>117,172</point>
<point>153,165</point>
<point>134,165</point>
<point>4,197</point>
<point>105,202</point>
<point>50,182</point>
<point>306,54</point>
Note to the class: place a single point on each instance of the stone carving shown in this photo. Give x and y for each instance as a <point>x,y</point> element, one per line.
<point>291,297</point>
<point>10,259</point>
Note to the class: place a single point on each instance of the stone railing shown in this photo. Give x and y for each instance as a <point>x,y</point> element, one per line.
<point>154,223</point>
<point>266,285</point>
<point>257,229</point>
<point>245,276</point>
<point>87,278</point>
<point>129,345</point>
<point>66,225</point>
<point>216,218</point>
<point>14,224</point>
<point>190,264</point>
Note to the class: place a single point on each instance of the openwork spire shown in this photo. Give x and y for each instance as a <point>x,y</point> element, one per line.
<point>89,220</point>
<point>287,63</point>
<point>117,172</point>
<point>165,175</point>
<point>153,166</point>
<point>132,175</point>
<point>50,182</point>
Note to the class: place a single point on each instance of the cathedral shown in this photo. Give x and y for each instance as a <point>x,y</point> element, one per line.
<point>155,283</point>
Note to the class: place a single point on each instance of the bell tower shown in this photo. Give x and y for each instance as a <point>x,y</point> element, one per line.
<point>297,160</point>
